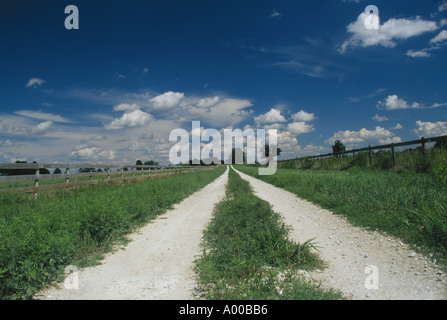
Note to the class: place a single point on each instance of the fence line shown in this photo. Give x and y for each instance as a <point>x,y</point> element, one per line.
<point>423,141</point>
<point>136,171</point>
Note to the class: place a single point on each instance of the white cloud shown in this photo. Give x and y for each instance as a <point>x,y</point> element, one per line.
<point>424,53</point>
<point>393,102</point>
<point>33,82</point>
<point>19,126</point>
<point>303,116</point>
<point>397,127</point>
<point>275,14</point>
<point>300,127</point>
<point>273,116</point>
<point>166,101</point>
<point>42,127</point>
<point>93,153</point>
<point>442,36</point>
<point>435,44</point>
<point>380,118</point>
<point>430,129</point>
<point>353,137</point>
<point>131,119</point>
<point>390,140</point>
<point>443,6</point>
<point>42,116</point>
<point>126,107</point>
<point>227,112</point>
<point>387,34</point>
<point>207,102</point>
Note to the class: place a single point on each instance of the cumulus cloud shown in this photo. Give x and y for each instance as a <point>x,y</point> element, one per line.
<point>273,116</point>
<point>300,127</point>
<point>388,33</point>
<point>424,53</point>
<point>380,118</point>
<point>34,82</point>
<point>126,107</point>
<point>166,101</point>
<point>430,129</point>
<point>393,102</point>
<point>136,118</point>
<point>353,137</point>
<point>303,116</point>
<point>207,102</point>
<point>226,112</point>
<point>93,153</point>
<point>397,127</point>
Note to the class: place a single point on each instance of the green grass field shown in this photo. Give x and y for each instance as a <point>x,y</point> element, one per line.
<point>411,206</point>
<point>247,253</point>
<point>39,238</point>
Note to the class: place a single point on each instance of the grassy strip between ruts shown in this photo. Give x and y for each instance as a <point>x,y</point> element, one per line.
<point>247,254</point>
<point>39,238</point>
<point>411,206</point>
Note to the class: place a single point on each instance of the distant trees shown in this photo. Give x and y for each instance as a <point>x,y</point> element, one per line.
<point>19,172</point>
<point>147,163</point>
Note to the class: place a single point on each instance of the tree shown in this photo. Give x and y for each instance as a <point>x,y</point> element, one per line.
<point>139,163</point>
<point>338,148</point>
<point>267,150</point>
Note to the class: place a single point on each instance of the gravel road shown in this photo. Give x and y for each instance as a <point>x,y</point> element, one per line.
<point>362,264</point>
<point>158,262</point>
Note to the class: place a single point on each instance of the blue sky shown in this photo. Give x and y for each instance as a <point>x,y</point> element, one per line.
<point>112,90</point>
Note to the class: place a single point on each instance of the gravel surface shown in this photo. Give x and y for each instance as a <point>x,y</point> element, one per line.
<point>360,263</point>
<point>158,262</point>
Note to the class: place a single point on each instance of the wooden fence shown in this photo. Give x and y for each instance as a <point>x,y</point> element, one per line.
<point>422,142</point>
<point>110,173</point>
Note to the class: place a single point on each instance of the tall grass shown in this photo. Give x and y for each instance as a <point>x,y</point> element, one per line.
<point>39,238</point>
<point>411,206</point>
<point>408,160</point>
<point>248,255</point>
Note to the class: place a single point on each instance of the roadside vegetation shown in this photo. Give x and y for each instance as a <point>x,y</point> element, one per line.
<point>248,255</point>
<point>408,204</point>
<point>39,238</point>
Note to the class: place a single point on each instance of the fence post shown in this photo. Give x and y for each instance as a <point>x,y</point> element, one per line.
<point>122,173</point>
<point>90,178</point>
<point>67,179</point>
<point>423,149</point>
<point>36,183</point>
<point>392,155</point>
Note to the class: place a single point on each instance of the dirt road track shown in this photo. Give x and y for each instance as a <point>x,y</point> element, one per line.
<point>348,250</point>
<point>158,262</point>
